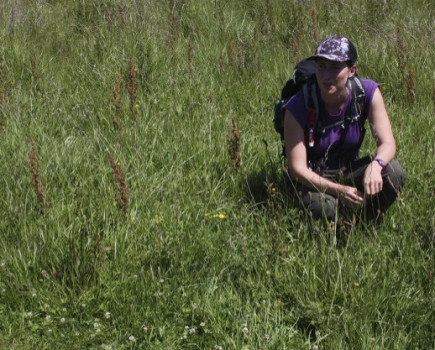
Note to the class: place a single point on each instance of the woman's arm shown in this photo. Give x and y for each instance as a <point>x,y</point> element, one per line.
<point>386,146</point>
<point>296,153</point>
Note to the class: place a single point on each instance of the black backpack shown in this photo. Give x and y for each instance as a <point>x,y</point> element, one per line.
<point>304,79</point>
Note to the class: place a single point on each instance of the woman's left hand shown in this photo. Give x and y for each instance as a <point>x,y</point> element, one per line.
<point>373,181</point>
<point>386,146</point>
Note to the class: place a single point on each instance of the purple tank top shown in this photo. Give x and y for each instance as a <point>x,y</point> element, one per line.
<point>331,136</point>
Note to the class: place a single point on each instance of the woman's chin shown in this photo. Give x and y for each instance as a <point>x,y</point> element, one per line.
<point>329,90</point>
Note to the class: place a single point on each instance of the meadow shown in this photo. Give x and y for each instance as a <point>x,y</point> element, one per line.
<point>143,205</point>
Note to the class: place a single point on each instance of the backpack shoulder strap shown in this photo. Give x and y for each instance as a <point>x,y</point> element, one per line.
<point>309,90</point>
<point>357,109</point>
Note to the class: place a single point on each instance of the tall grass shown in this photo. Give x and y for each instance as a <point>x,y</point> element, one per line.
<point>149,210</point>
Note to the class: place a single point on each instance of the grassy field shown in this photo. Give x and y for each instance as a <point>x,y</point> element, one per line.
<point>142,199</point>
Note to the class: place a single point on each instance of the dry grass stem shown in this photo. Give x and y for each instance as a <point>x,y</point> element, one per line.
<point>234,146</point>
<point>132,85</point>
<point>122,190</point>
<point>230,53</point>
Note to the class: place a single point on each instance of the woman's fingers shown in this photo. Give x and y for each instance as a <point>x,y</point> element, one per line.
<point>373,187</point>
<point>352,197</point>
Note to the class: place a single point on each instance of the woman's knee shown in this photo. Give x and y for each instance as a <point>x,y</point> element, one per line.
<point>320,205</point>
<point>395,175</point>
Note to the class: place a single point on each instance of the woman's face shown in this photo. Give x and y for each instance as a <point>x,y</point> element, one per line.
<point>332,76</point>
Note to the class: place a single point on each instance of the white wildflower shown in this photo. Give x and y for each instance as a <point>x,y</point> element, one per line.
<point>132,339</point>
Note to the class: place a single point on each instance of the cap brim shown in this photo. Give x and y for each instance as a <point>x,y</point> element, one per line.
<point>329,57</point>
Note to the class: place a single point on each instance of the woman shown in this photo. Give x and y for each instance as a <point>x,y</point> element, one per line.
<point>340,180</point>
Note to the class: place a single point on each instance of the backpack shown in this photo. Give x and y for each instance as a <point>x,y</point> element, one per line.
<point>304,79</point>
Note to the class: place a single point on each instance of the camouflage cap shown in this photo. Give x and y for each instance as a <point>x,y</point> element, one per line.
<point>336,48</point>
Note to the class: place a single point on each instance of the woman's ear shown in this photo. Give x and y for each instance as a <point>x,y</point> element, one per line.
<point>352,70</point>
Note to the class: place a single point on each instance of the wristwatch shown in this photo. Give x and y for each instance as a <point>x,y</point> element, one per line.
<point>380,162</point>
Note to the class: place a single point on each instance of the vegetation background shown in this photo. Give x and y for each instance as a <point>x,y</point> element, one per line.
<point>142,200</point>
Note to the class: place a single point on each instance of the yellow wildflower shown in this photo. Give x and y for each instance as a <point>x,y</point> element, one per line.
<point>158,219</point>
<point>219,215</point>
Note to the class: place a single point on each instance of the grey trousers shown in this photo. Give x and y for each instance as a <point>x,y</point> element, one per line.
<point>324,206</point>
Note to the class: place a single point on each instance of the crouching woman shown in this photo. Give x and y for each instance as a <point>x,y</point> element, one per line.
<point>325,171</point>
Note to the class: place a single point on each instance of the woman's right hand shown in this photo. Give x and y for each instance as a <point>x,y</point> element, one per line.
<point>350,196</point>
